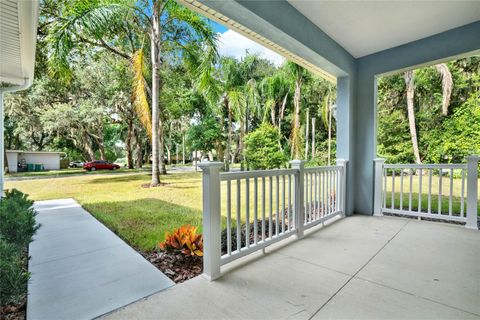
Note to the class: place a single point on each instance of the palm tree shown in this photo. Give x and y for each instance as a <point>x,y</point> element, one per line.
<point>447,86</point>
<point>297,73</point>
<point>170,27</point>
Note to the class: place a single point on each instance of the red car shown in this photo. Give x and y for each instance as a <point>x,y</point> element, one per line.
<point>99,165</point>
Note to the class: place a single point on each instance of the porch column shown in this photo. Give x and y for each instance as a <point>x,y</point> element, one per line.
<point>346,135</point>
<point>365,141</point>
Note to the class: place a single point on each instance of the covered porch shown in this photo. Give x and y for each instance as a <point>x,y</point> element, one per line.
<point>356,268</point>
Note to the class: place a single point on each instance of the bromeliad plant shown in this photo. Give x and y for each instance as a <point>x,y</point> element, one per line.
<point>184,239</point>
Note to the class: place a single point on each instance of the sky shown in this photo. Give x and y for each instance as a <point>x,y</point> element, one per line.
<point>235,45</point>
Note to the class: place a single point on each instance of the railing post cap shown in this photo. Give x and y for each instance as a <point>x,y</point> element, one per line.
<point>379,159</point>
<point>296,161</point>
<point>340,161</point>
<point>210,164</point>
<point>473,157</point>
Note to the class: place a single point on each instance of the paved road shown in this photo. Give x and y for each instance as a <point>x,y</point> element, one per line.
<point>61,176</point>
<point>80,269</point>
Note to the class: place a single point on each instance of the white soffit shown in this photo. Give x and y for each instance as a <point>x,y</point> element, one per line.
<point>366,27</point>
<point>18,36</point>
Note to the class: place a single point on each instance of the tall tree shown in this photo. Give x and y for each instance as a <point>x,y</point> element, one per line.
<point>171,28</point>
<point>297,73</point>
<point>410,85</point>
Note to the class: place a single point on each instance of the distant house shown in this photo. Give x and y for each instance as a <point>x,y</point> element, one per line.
<point>20,159</point>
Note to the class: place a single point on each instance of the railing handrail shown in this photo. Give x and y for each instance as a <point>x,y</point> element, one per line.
<point>322,168</point>
<point>224,176</point>
<point>426,166</point>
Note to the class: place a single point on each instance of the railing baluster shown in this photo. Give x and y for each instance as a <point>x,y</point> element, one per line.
<point>393,188</point>
<point>247,213</point>
<point>410,177</point>
<point>324,207</point>
<point>263,208</point>
<point>384,187</point>
<point>312,208</point>
<point>440,191</point>
<point>283,204</point>
<point>328,192</point>
<point>239,221</point>
<point>451,194</point>
<point>229,217</point>
<point>307,208</point>
<point>290,204</point>
<point>430,190</point>
<point>317,209</point>
<point>255,212</point>
<point>420,190</point>
<point>401,189</point>
<point>315,197</point>
<point>462,197</point>
<point>270,224</point>
<point>277,215</point>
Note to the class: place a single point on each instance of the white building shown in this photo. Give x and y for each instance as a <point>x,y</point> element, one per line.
<point>49,160</point>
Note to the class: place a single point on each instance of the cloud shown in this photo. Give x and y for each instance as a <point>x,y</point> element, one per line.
<point>235,45</point>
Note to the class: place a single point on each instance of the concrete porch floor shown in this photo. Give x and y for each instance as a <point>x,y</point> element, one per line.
<point>359,267</point>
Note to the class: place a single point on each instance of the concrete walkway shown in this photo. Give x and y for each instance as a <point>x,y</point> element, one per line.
<point>357,268</point>
<point>80,269</point>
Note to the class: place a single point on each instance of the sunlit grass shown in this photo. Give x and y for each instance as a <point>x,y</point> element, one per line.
<point>446,185</point>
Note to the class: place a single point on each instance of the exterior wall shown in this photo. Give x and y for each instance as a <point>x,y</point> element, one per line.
<point>50,161</point>
<point>12,161</point>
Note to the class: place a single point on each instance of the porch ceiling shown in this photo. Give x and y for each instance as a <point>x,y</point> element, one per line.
<point>18,31</point>
<point>366,27</point>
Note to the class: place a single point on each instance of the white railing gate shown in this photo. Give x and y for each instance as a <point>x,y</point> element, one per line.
<point>433,183</point>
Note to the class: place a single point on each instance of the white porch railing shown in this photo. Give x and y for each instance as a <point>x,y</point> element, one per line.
<point>259,208</point>
<point>419,190</point>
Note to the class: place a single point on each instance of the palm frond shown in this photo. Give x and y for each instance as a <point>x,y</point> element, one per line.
<point>84,21</point>
<point>139,95</point>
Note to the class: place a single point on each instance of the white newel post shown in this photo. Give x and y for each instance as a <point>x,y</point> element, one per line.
<point>378,190</point>
<point>343,185</point>
<point>211,219</point>
<point>299,196</point>
<point>472,192</point>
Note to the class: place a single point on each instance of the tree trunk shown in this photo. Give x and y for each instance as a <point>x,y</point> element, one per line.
<point>161,154</point>
<point>155,52</point>
<point>447,85</point>
<point>87,147</point>
<point>229,139</point>
<point>329,133</point>
<point>409,81</point>
<point>295,149</point>
<point>128,144</point>
<point>183,148</point>
<point>307,126</point>
<point>313,138</point>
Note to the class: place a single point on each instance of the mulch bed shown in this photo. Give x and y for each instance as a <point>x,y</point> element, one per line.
<point>14,312</point>
<point>177,266</point>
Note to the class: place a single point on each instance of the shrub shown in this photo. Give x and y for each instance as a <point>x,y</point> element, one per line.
<point>184,239</point>
<point>17,218</point>
<point>262,148</point>
<point>13,276</point>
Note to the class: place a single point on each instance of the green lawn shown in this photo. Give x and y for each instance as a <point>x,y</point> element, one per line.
<point>456,188</point>
<point>142,215</point>
<point>137,214</point>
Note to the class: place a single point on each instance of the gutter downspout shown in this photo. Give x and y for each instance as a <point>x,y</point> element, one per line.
<point>25,85</point>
